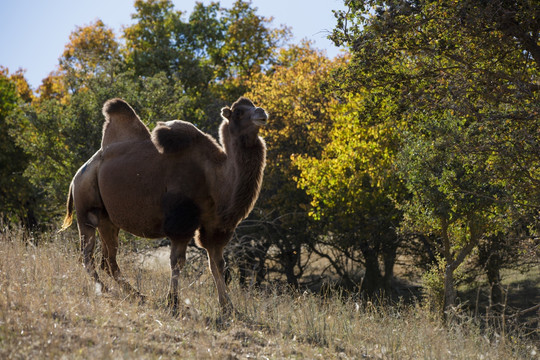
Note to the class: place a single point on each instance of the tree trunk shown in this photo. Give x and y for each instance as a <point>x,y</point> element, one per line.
<point>496,290</point>
<point>291,258</point>
<point>489,255</point>
<point>373,280</point>
<point>389,261</point>
<point>452,264</point>
<point>449,290</point>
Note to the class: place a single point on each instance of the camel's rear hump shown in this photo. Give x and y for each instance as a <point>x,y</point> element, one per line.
<point>121,123</point>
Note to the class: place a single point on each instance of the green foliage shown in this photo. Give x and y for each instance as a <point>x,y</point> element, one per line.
<point>300,112</point>
<point>154,42</point>
<point>353,184</point>
<point>358,157</point>
<point>433,286</point>
<point>15,193</point>
<point>465,77</point>
<point>248,43</point>
<point>90,51</point>
<point>223,47</point>
<point>456,60</point>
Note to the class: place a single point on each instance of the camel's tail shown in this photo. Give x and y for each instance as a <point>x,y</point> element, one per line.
<point>68,219</point>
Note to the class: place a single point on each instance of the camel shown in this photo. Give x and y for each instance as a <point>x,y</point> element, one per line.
<point>174,182</point>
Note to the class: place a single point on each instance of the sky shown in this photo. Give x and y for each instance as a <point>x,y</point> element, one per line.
<point>33,33</point>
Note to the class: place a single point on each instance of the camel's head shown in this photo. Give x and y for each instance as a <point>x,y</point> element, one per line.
<point>244,117</point>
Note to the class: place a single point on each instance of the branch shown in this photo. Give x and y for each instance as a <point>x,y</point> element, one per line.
<point>522,312</point>
<point>463,254</point>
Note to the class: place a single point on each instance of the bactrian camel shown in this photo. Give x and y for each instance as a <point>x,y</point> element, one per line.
<point>175,182</point>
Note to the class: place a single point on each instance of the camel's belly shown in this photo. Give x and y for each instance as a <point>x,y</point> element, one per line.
<point>132,200</point>
<point>136,217</point>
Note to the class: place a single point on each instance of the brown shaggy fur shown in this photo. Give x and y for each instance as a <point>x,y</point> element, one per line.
<point>177,182</point>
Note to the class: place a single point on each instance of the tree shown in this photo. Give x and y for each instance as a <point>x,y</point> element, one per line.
<point>15,191</point>
<point>24,91</point>
<point>466,74</point>
<point>91,50</point>
<point>52,87</point>
<point>153,43</point>
<point>445,182</point>
<point>235,44</point>
<point>249,43</point>
<point>354,189</point>
<point>300,114</point>
<point>211,55</point>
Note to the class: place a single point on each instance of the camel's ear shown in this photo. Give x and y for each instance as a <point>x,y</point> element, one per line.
<point>168,140</point>
<point>226,113</point>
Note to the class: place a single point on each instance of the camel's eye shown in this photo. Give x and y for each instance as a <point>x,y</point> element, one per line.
<point>238,112</point>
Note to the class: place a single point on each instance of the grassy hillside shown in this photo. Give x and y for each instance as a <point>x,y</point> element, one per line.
<point>49,309</point>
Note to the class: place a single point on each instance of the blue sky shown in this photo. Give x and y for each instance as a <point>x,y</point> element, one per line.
<point>33,33</point>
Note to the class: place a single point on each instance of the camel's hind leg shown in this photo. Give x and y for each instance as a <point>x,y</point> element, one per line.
<point>108,233</point>
<point>87,235</point>
<point>178,260</point>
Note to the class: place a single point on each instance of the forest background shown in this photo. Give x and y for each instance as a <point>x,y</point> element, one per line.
<point>419,148</point>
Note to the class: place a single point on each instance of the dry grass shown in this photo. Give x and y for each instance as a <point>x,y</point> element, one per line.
<point>49,309</point>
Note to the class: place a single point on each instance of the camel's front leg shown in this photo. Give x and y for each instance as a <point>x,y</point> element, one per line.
<point>178,260</point>
<point>217,267</point>
<point>214,242</point>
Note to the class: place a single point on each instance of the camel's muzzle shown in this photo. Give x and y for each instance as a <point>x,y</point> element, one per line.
<point>259,117</point>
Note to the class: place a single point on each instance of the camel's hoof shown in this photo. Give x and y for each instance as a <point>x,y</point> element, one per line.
<point>174,311</point>
<point>172,304</point>
<point>100,288</point>
<point>140,297</point>
<point>227,308</point>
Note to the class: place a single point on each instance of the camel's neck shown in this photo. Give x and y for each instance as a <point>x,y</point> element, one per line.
<point>243,175</point>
